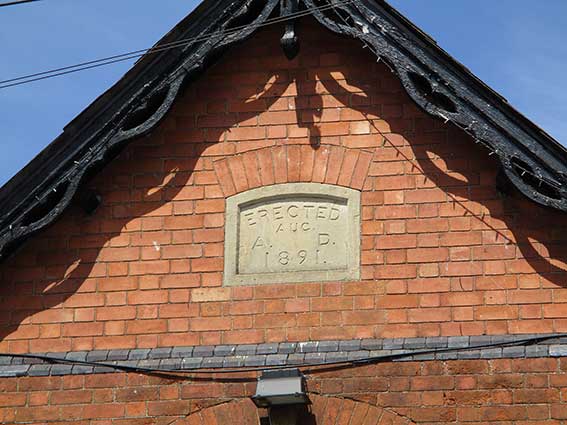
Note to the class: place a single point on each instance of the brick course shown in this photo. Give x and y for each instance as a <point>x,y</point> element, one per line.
<point>465,391</point>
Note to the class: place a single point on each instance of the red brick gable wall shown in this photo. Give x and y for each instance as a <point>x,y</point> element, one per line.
<point>443,253</point>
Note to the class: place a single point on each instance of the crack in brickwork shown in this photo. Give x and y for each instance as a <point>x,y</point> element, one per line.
<point>197,413</point>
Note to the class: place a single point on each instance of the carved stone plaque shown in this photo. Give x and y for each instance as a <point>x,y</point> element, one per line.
<point>295,232</point>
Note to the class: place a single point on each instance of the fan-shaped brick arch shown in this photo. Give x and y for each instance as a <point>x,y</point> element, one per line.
<point>322,411</point>
<point>293,163</point>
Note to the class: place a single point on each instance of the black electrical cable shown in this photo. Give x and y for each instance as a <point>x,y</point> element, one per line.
<point>56,72</point>
<point>309,366</point>
<point>14,3</point>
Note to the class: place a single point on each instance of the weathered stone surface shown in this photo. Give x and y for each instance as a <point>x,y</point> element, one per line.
<point>295,232</point>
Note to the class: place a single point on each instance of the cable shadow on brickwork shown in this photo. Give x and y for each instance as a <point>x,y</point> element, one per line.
<point>443,156</point>
<point>50,289</point>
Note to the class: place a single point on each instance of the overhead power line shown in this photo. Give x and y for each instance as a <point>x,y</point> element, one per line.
<point>56,72</point>
<point>13,3</point>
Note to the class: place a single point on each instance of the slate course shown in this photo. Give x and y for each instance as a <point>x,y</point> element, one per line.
<point>288,354</point>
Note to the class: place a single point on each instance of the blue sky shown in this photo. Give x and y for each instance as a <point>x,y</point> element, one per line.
<point>518,47</point>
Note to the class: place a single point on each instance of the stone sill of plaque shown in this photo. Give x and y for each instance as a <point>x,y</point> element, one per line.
<point>294,232</point>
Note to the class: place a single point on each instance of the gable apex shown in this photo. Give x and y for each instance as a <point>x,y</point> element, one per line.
<point>529,158</point>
